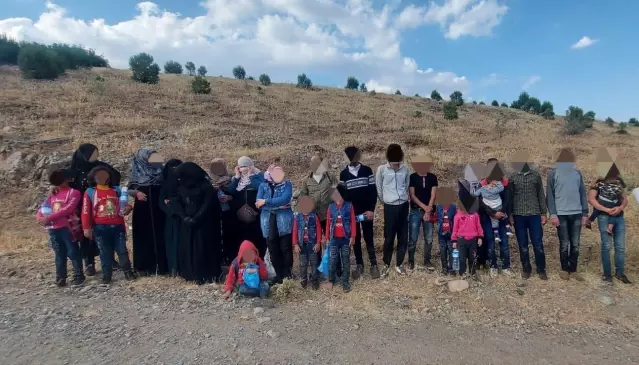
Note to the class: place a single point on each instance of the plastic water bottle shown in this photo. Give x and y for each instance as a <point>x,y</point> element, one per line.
<point>361,217</point>
<point>225,205</point>
<point>124,200</point>
<point>46,210</point>
<point>456,260</point>
<point>635,193</point>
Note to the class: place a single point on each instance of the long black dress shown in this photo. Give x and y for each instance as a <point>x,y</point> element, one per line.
<point>247,231</point>
<point>199,254</point>
<point>173,216</point>
<point>80,168</point>
<point>149,252</point>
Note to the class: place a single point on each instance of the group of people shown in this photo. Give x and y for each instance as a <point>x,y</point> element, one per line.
<point>189,222</point>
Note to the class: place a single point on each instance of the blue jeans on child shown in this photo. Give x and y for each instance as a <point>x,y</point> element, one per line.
<point>619,240</point>
<point>415,221</point>
<point>489,241</point>
<point>261,292</point>
<point>111,238</point>
<point>63,246</point>
<point>446,252</point>
<point>339,249</point>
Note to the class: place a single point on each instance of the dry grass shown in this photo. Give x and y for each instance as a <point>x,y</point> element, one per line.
<point>286,124</point>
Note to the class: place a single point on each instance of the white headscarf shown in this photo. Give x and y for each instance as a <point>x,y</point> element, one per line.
<point>245,177</point>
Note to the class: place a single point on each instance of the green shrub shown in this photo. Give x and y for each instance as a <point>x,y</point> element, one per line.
<point>397,92</point>
<point>590,119</point>
<point>265,80</point>
<point>239,72</point>
<point>417,114</point>
<point>547,110</point>
<point>621,128</point>
<point>190,68</point>
<point>75,57</point>
<point>450,110</point>
<point>633,122</point>
<point>201,71</point>
<point>250,78</point>
<point>575,122</point>
<point>199,85</point>
<point>457,98</point>
<point>9,50</point>
<point>482,103</point>
<point>352,83</point>
<point>504,105</point>
<point>495,103</point>
<point>435,95</point>
<point>417,96</point>
<point>144,69</point>
<point>363,88</point>
<point>372,93</point>
<point>39,62</point>
<point>304,82</point>
<point>609,122</point>
<point>474,102</point>
<point>173,67</point>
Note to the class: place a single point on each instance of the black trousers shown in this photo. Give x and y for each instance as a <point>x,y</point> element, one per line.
<point>364,229</point>
<point>395,225</point>
<point>467,254</point>
<point>280,250</point>
<point>319,254</point>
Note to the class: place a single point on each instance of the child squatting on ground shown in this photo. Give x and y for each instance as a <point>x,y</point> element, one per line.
<point>103,220</point>
<point>490,193</point>
<point>307,240</point>
<point>466,237</point>
<point>63,226</point>
<point>247,274</point>
<point>340,234</point>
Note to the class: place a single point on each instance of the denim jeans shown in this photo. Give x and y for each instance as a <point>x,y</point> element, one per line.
<point>308,257</point>
<point>619,239</point>
<point>525,226</point>
<point>415,222</point>
<point>489,241</point>
<point>261,292</point>
<point>569,234</point>
<point>446,252</point>
<point>63,247</point>
<point>339,248</point>
<point>111,238</point>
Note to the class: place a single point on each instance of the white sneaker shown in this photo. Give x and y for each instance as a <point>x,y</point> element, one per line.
<point>497,239</point>
<point>385,270</point>
<point>507,272</point>
<point>400,270</point>
<point>493,272</point>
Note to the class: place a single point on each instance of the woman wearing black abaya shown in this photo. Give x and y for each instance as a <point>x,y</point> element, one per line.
<point>199,252</point>
<point>149,252</point>
<point>230,223</point>
<point>173,217</point>
<point>84,159</point>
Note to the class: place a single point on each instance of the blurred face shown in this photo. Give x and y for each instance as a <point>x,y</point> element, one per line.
<point>156,160</point>
<point>249,256</point>
<point>357,158</point>
<point>102,177</point>
<point>277,174</point>
<point>94,156</point>
<point>336,197</point>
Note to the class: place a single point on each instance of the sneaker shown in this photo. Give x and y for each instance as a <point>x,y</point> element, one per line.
<point>623,279</point>
<point>355,274</point>
<point>304,283</point>
<point>374,272</point>
<point>400,270</point>
<point>385,271</point>
<point>78,281</point>
<point>106,281</point>
<point>130,275</point>
<point>497,239</point>
<point>507,272</point>
<point>577,276</point>
<point>493,273</point>
<point>429,266</point>
<point>509,231</point>
<point>360,268</point>
<point>411,266</point>
<point>90,271</point>
<point>346,287</point>
<point>315,284</point>
<point>61,282</point>
<point>564,275</point>
<point>476,277</point>
<point>543,276</point>
<point>607,279</point>
<point>525,275</point>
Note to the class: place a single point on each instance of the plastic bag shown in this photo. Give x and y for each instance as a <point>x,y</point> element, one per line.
<point>323,266</point>
<point>251,279</point>
<point>269,265</point>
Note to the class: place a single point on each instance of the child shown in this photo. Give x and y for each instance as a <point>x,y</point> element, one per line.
<point>490,193</point>
<point>64,203</point>
<point>610,196</point>
<point>247,273</point>
<point>103,220</point>
<point>445,222</point>
<point>467,236</point>
<point>307,238</point>
<point>340,234</point>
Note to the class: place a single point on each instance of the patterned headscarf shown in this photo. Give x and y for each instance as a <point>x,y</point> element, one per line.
<point>142,172</point>
<point>219,180</point>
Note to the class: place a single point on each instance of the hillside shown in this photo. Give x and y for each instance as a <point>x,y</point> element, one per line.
<point>286,124</point>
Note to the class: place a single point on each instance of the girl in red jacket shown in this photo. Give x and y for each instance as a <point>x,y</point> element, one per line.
<point>247,274</point>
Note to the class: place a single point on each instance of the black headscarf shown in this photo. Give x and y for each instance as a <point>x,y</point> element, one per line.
<point>81,166</point>
<point>190,175</point>
<point>144,173</point>
<point>80,160</point>
<point>170,184</point>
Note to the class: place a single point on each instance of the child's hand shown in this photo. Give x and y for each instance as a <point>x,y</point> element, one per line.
<point>42,220</point>
<point>351,242</point>
<point>454,244</point>
<point>127,210</point>
<point>166,201</point>
<point>88,233</point>
<point>479,242</point>
<point>226,294</point>
<point>297,248</point>
<point>317,248</point>
<point>259,203</point>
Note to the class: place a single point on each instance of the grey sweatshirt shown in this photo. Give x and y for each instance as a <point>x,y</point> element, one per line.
<point>566,192</point>
<point>392,185</point>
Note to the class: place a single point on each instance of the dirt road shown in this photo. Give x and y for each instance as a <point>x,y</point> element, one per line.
<point>131,324</point>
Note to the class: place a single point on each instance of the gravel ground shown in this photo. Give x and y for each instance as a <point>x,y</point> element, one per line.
<point>136,324</point>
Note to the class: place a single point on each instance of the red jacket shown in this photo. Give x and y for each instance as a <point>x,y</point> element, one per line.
<point>102,208</point>
<point>236,278</point>
<point>504,181</point>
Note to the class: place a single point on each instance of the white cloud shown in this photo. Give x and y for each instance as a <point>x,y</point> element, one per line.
<point>530,82</point>
<point>279,37</point>
<point>584,42</point>
<point>492,79</point>
<point>458,18</point>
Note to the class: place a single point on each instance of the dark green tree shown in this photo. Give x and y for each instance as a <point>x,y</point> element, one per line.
<point>239,72</point>
<point>436,96</point>
<point>201,71</point>
<point>495,103</point>
<point>173,67</point>
<point>398,92</point>
<point>9,50</point>
<point>575,122</point>
<point>199,85</point>
<point>450,110</point>
<point>352,83</point>
<point>362,87</point>
<point>304,82</point>
<point>610,122</point>
<point>504,105</point>
<point>144,69</point>
<point>457,98</point>
<point>633,122</point>
<point>265,80</point>
<point>39,62</point>
<point>190,68</point>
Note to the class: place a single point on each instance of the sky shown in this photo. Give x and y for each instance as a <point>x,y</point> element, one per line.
<point>565,52</point>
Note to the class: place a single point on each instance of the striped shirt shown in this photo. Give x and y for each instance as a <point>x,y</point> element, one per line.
<point>528,197</point>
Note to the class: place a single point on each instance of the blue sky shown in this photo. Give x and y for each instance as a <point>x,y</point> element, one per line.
<point>490,49</point>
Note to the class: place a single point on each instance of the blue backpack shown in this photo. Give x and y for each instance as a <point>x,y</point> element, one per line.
<point>252,279</point>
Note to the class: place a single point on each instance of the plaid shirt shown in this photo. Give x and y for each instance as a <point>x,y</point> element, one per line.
<point>528,197</point>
